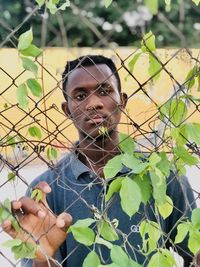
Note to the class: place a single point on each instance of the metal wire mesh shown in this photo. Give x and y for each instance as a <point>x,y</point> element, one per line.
<point>26,156</point>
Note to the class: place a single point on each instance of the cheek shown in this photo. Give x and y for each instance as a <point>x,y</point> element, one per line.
<point>113,104</point>
<point>76,110</point>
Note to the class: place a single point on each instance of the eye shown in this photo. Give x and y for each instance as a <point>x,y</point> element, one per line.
<point>104,91</point>
<point>80,96</point>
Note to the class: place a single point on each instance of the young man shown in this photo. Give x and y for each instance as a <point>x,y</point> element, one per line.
<point>75,188</point>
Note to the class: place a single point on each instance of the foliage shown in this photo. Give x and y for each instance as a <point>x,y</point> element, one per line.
<point>19,248</point>
<point>146,177</point>
<point>113,21</point>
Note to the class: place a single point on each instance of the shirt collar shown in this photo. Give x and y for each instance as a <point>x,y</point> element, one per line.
<point>77,166</point>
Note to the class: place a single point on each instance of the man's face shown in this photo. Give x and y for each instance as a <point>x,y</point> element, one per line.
<point>93,100</point>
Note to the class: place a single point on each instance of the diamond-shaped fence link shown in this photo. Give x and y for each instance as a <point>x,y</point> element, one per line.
<point>26,154</point>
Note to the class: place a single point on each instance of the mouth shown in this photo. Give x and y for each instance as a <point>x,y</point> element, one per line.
<point>96,119</point>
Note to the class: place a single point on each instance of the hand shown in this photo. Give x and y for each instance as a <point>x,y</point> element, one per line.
<point>39,224</point>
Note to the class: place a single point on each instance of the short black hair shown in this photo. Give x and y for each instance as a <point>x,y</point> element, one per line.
<point>88,60</point>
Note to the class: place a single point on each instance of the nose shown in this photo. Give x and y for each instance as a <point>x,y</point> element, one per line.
<point>94,102</point>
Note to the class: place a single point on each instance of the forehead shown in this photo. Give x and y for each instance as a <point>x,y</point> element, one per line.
<point>89,76</point>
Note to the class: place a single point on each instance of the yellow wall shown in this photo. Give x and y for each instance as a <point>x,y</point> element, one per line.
<point>140,107</point>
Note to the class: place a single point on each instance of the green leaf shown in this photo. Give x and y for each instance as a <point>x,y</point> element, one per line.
<point>151,233</point>
<point>54,153</point>
<point>152,6</point>
<point>130,196</point>
<point>190,78</point>
<point>7,204</point>
<point>83,235</point>
<point>25,250</point>
<point>112,167</point>
<point>154,67</point>
<point>35,132</point>
<point>22,96</point>
<point>133,61</point>
<point>159,186</point>
<point>183,154</point>
<point>64,5</point>
<point>109,265</point>
<point>198,80</point>
<point>164,164</point>
<point>29,250</point>
<point>169,257</point>
<point>15,224</point>
<point>82,223</point>
<point>166,209</point>
<point>107,231</point>
<point>92,259</point>
<point>6,214</point>
<point>168,5</point>
<point>136,165</point>
<point>40,2</point>
<point>154,159</point>
<point>193,130</point>
<point>182,231</point>
<point>101,241</point>
<point>25,39</point>
<point>11,141</point>
<point>126,143</point>
<point>107,3</point>
<point>148,42</point>
<point>145,187</point>
<point>133,263</point>
<point>48,153</point>
<point>158,259</point>
<point>12,243</point>
<point>28,64</point>
<point>196,218</point>
<point>31,51</point>
<point>119,257</point>
<point>11,176</point>
<point>114,187</point>
<point>35,87</point>
<point>175,110</point>
<point>196,2</point>
<point>103,130</point>
<point>52,7</point>
<point>37,194</point>
<point>194,241</point>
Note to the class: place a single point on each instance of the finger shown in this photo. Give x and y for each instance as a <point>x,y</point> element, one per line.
<point>29,206</point>
<point>64,220</point>
<point>16,205</point>
<point>7,227</point>
<point>45,189</point>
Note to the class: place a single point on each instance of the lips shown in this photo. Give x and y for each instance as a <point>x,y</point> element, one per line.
<point>95,119</point>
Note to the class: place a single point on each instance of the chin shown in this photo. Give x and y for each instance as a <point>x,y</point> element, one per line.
<point>97,135</point>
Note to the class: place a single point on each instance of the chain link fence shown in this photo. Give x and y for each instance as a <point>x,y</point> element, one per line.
<point>163,94</point>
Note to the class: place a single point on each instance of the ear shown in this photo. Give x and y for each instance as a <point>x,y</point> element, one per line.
<point>65,109</point>
<point>124,99</point>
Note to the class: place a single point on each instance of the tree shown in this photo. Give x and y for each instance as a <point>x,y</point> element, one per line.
<point>123,23</point>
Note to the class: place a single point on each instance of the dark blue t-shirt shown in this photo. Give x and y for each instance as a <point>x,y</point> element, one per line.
<point>78,191</point>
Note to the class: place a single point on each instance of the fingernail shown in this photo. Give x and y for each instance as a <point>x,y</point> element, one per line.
<point>61,223</point>
<point>41,214</point>
<point>47,189</point>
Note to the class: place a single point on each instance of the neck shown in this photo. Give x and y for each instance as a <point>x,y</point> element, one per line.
<point>95,153</point>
